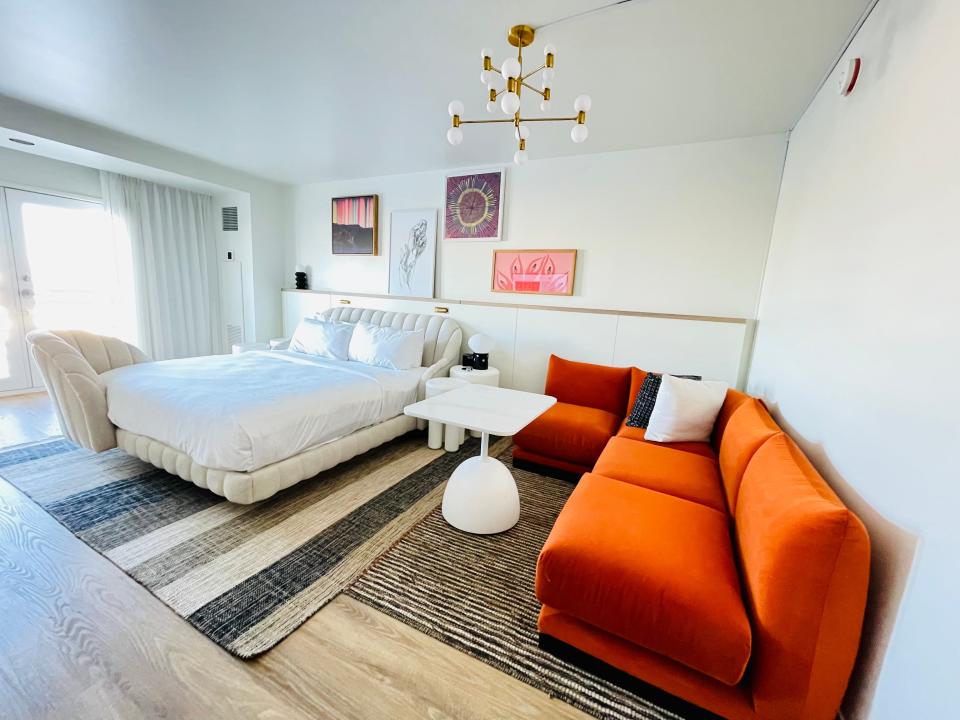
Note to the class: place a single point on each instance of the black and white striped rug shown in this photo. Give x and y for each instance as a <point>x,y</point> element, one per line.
<point>246,576</point>
<point>475,593</point>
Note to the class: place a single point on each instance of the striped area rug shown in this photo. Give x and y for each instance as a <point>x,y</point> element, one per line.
<point>246,576</point>
<point>475,593</point>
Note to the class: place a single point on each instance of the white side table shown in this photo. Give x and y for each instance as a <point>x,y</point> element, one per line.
<point>452,435</point>
<point>481,495</point>
<point>248,347</point>
<point>490,376</point>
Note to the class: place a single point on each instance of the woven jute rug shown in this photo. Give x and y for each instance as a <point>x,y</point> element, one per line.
<point>246,576</point>
<point>475,593</point>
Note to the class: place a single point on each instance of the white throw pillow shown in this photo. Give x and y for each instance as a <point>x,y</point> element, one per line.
<point>322,337</point>
<point>387,347</point>
<point>685,410</point>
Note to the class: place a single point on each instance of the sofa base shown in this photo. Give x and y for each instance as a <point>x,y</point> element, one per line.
<point>600,669</point>
<point>251,487</point>
<point>648,668</point>
<point>551,467</point>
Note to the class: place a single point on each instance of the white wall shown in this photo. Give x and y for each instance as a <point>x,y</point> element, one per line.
<point>681,229</point>
<point>33,171</point>
<point>858,342</point>
<point>525,337</point>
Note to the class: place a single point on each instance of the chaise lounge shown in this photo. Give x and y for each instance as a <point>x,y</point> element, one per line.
<point>727,573</point>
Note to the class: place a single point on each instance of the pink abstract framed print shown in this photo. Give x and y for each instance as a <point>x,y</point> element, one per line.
<point>539,272</point>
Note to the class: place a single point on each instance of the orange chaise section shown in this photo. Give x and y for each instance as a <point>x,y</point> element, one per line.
<point>591,403</point>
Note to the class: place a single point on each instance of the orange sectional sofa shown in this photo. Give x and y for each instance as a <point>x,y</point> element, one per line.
<point>727,573</point>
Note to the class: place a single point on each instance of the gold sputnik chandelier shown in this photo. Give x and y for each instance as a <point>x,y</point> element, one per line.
<point>507,83</point>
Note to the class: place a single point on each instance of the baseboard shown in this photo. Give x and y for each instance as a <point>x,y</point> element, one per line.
<point>661,698</point>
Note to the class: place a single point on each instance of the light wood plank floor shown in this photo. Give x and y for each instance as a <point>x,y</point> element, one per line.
<point>79,639</point>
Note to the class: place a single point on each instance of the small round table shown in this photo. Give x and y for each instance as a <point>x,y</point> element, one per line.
<point>452,435</point>
<point>490,376</point>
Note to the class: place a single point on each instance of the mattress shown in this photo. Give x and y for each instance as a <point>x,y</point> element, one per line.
<point>243,412</point>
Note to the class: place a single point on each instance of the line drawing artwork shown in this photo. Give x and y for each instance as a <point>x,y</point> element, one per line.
<point>411,251</point>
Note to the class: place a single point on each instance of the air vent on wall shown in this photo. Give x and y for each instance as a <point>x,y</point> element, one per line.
<point>229,216</point>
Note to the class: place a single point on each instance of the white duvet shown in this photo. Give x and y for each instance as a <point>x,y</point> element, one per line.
<point>241,412</point>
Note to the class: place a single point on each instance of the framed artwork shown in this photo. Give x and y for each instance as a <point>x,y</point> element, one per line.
<point>355,221</point>
<point>413,252</point>
<point>474,206</point>
<point>540,272</point>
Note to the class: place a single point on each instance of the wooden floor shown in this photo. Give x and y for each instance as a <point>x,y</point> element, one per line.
<point>79,639</point>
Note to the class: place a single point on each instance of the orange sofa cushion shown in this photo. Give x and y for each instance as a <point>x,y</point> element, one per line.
<point>593,386</point>
<point>681,474</point>
<point>568,432</point>
<point>749,426</point>
<point>639,434</point>
<point>652,569</point>
<point>805,562</point>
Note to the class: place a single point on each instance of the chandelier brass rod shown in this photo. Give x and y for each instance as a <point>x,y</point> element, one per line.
<point>531,87</point>
<point>532,72</point>
<point>522,120</point>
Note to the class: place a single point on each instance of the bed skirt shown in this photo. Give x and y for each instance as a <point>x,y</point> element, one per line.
<point>251,487</point>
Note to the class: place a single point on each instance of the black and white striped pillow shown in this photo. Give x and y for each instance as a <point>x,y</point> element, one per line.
<point>647,398</point>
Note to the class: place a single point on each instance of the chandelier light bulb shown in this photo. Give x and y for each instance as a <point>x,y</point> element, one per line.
<point>549,49</point>
<point>522,132</point>
<point>484,77</point>
<point>486,53</point>
<point>549,74</point>
<point>455,136</point>
<point>582,104</point>
<point>510,103</point>
<point>546,83</point>
<point>545,105</point>
<point>578,133</point>
<point>510,68</point>
<point>520,157</point>
<point>491,106</point>
<point>455,108</point>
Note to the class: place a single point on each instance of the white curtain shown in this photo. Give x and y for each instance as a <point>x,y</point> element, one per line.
<point>173,252</point>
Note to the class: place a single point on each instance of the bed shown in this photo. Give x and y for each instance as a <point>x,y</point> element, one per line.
<point>244,426</point>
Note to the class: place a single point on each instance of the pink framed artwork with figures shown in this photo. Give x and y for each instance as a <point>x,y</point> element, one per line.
<point>536,272</point>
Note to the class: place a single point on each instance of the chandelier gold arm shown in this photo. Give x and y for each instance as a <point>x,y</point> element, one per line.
<point>532,73</point>
<point>531,87</point>
<point>572,118</point>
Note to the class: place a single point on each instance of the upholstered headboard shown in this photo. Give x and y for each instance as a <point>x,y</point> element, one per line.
<point>442,335</point>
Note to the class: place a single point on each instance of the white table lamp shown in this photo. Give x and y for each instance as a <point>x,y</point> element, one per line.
<point>481,344</point>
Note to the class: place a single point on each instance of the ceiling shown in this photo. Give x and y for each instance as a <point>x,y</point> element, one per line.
<point>300,91</point>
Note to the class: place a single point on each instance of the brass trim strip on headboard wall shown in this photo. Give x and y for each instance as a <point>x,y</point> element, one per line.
<point>519,306</point>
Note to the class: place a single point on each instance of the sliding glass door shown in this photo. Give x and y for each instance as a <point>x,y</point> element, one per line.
<point>61,270</point>
<point>14,366</point>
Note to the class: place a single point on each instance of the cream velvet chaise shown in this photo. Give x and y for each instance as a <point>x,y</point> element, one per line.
<point>71,363</point>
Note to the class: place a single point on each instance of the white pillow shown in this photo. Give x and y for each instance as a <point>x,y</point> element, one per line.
<point>387,347</point>
<point>685,410</point>
<point>322,337</point>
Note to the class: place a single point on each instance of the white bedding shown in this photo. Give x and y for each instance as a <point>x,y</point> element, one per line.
<point>241,412</point>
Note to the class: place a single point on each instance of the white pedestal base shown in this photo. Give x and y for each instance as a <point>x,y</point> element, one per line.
<point>481,497</point>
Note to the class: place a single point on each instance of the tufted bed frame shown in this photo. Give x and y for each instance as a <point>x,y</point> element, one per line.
<point>72,361</point>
